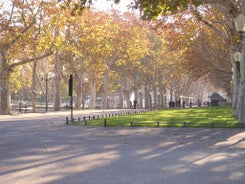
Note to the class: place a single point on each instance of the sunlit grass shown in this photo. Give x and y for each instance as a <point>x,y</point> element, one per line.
<point>194,117</point>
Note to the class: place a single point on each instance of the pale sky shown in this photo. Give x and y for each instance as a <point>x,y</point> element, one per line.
<point>106,5</point>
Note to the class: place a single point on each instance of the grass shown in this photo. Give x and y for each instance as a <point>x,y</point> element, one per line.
<point>195,117</point>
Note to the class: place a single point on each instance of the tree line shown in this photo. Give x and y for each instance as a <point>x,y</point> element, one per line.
<point>215,14</point>
<point>114,52</point>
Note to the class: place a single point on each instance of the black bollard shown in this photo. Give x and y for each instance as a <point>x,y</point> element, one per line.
<point>185,124</point>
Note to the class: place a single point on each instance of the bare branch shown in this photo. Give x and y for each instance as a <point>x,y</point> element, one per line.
<point>27,27</point>
<point>9,20</point>
<point>31,59</point>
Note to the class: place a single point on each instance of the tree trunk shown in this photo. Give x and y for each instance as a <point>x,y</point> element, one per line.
<point>241,102</point>
<point>125,93</point>
<point>147,97</point>
<point>161,97</point>
<point>155,100</point>
<point>5,93</point>
<point>92,94</point>
<point>78,90</point>
<point>105,90</point>
<point>126,97</point>
<point>57,81</point>
<point>140,100</point>
<point>241,99</point>
<point>171,94</point>
<point>4,83</point>
<point>120,104</point>
<point>165,98</point>
<point>136,97</point>
<point>236,80</point>
<point>34,87</point>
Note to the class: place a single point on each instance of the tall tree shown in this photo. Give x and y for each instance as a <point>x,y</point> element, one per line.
<point>16,30</point>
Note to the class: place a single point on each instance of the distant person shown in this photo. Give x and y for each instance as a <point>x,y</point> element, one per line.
<point>198,103</point>
<point>183,104</point>
<point>20,104</point>
<point>135,104</point>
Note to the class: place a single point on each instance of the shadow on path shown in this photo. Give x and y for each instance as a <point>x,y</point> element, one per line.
<point>55,153</point>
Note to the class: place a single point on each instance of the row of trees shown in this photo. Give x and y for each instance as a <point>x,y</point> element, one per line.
<point>219,17</point>
<point>114,52</point>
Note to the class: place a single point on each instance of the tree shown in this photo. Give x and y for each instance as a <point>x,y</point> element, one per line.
<point>16,30</point>
<point>241,97</point>
<point>226,11</point>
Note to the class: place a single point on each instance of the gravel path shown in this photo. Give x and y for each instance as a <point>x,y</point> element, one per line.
<point>41,149</point>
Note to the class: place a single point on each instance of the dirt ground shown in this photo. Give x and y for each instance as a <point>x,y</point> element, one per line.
<point>41,150</point>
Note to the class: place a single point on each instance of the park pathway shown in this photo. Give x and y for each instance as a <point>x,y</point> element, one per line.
<point>41,149</point>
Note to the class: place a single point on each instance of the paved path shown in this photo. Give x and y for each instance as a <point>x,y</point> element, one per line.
<point>41,149</point>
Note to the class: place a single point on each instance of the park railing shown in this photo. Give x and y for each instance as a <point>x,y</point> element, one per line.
<point>88,118</point>
<point>186,124</point>
<point>104,121</point>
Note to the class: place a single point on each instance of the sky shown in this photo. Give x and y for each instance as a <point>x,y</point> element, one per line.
<point>106,5</point>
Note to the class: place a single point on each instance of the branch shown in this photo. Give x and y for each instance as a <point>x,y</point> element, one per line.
<point>23,31</point>
<point>31,59</point>
<point>9,20</point>
<point>27,27</point>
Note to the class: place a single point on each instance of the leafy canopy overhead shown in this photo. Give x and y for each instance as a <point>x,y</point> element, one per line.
<point>153,9</point>
<point>149,9</point>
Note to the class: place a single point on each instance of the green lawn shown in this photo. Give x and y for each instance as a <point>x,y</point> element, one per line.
<point>194,117</point>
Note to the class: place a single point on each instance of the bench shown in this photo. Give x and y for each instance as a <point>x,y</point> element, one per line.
<point>23,108</point>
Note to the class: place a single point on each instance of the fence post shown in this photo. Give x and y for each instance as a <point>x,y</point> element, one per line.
<point>158,123</point>
<point>104,122</point>
<point>131,123</point>
<point>67,121</point>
